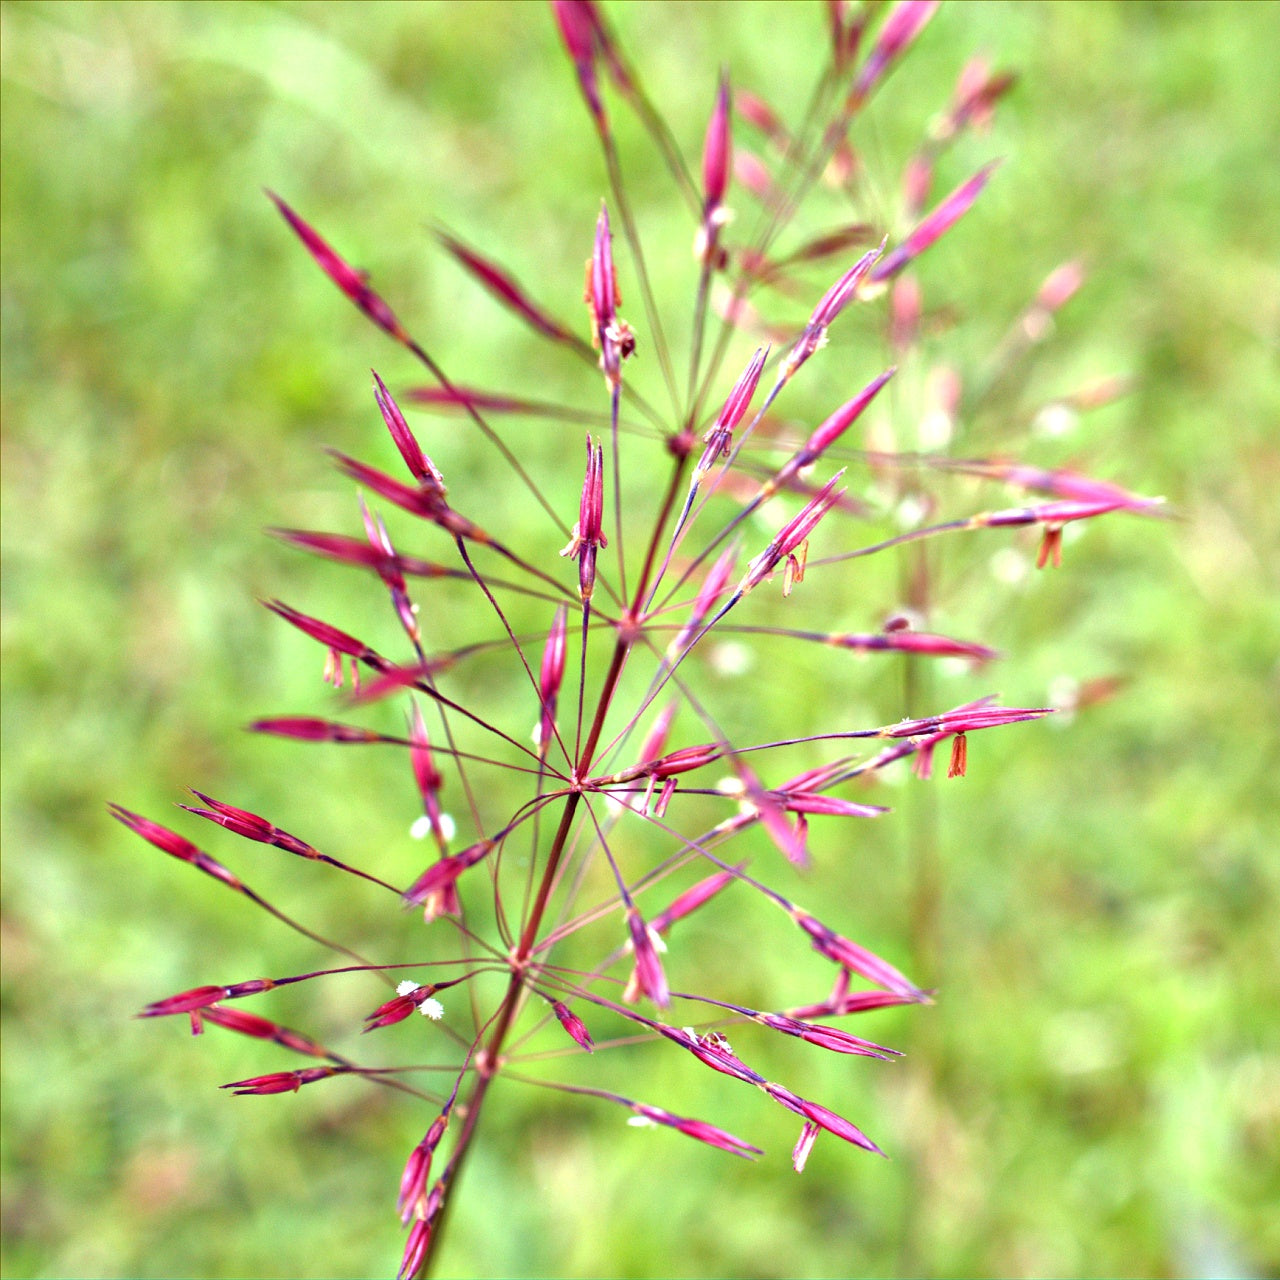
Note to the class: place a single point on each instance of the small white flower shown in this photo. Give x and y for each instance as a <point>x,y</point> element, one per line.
<point>421,828</point>
<point>431,1008</point>
<point>406,987</point>
<point>640,1122</point>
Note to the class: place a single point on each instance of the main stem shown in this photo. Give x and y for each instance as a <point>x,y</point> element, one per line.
<point>488,1057</point>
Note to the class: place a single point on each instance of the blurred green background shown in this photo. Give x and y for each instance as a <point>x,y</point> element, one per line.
<point>1097,1090</point>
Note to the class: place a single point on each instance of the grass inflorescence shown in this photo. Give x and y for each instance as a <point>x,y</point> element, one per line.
<point>614,789</point>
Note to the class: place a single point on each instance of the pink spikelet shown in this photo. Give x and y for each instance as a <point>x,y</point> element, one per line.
<point>717,163</point>
<point>352,282</point>
<point>588,534</point>
<point>610,334</point>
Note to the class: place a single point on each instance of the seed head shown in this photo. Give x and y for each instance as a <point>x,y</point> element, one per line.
<point>412,1201</point>
<point>720,434</point>
<point>652,980</point>
<point>420,466</point>
<point>716,151</point>
<point>791,537</point>
<point>352,282</point>
<point>598,829</point>
<point>698,1129</point>
<point>829,306</point>
<point>906,20</point>
<point>573,1024</point>
<point>282,1081</point>
<point>610,334</point>
<point>409,998</point>
<point>443,875</point>
<point>819,1115</point>
<point>578,31</point>
<point>932,228</point>
<point>550,678</point>
<point>588,534</point>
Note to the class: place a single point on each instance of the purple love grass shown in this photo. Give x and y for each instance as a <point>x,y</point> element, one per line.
<point>583,737</point>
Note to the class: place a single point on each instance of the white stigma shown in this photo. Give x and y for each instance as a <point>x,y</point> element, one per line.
<point>421,828</point>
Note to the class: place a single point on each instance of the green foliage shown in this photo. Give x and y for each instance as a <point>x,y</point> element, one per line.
<point>1095,1090</point>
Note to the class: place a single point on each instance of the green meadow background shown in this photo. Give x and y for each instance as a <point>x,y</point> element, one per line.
<point>1097,1089</point>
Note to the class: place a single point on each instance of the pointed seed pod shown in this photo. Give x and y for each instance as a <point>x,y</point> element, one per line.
<point>588,535</point>
<point>573,1025</point>
<point>652,980</point>
<point>352,282</point>
<point>550,677</point>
